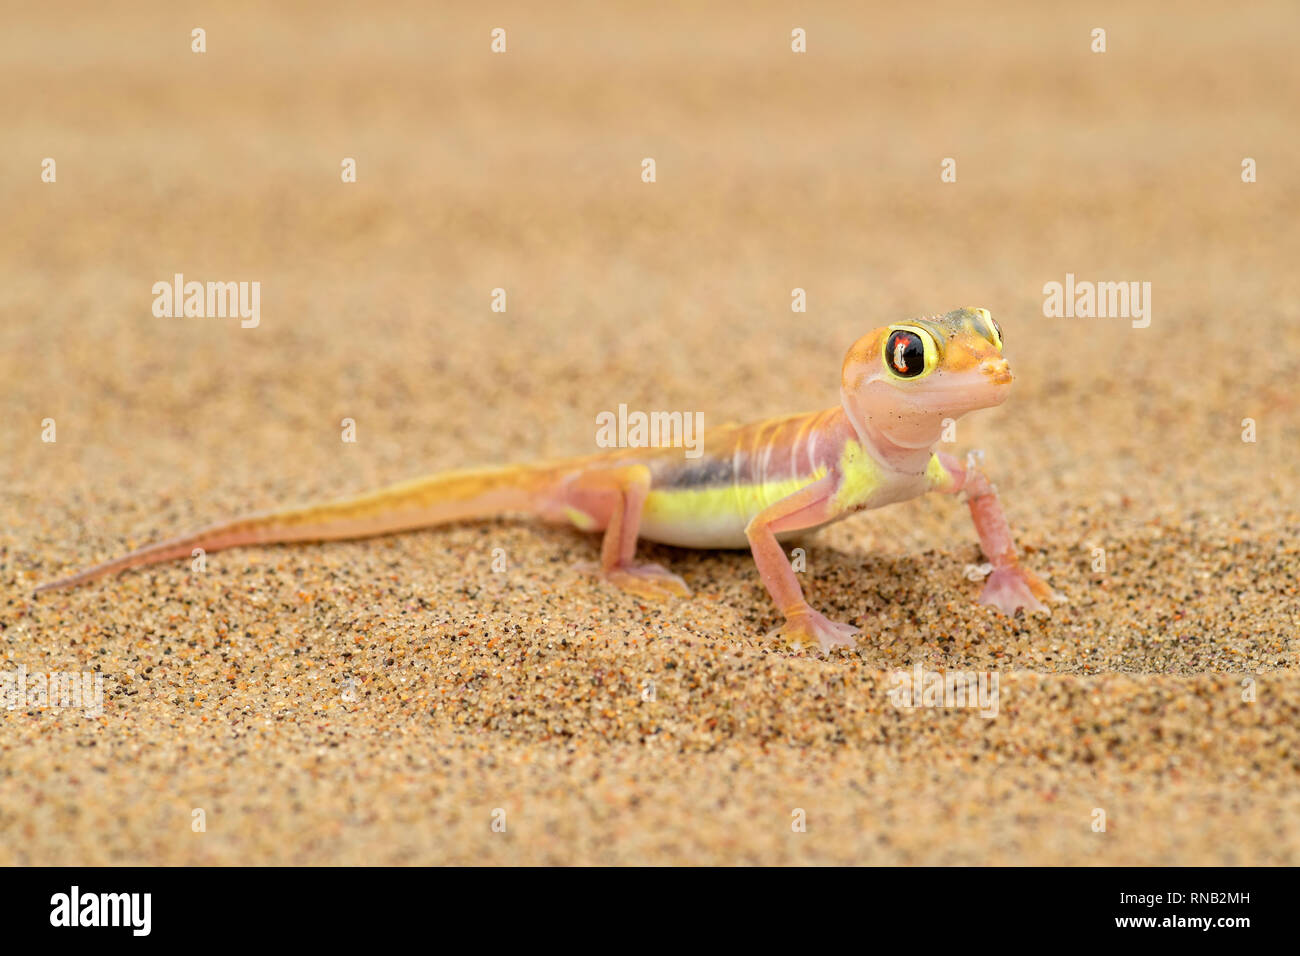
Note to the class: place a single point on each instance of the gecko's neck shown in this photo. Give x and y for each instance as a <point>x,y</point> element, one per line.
<point>908,459</point>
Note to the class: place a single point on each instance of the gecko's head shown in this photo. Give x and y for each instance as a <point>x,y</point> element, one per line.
<point>903,380</point>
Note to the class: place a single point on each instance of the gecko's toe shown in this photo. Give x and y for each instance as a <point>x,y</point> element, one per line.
<point>807,626</point>
<point>649,581</point>
<point>1009,589</point>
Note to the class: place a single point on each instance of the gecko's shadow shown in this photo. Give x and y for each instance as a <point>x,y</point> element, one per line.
<point>863,589</point>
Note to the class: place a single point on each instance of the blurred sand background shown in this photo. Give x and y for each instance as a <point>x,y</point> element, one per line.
<point>475,690</point>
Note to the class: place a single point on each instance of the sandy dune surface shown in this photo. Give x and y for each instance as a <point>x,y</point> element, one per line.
<point>386,701</point>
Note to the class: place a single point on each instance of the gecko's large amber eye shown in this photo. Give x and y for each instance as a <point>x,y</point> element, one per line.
<point>910,352</point>
<point>988,327</point>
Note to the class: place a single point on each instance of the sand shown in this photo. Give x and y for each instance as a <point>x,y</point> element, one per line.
<point>386,701</point>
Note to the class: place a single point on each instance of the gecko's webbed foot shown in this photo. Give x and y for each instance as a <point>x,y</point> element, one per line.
<point>807,625</point>
<point>649,581</point>
<point>1013,587</point>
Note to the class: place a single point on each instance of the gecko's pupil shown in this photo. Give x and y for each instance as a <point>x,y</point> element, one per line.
<point>905,353</point>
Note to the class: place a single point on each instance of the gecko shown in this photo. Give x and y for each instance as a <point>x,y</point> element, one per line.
<point>753,486</point>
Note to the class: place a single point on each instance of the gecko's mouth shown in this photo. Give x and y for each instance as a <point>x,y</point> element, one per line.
<point>965,391</point>
<point>949,401</point>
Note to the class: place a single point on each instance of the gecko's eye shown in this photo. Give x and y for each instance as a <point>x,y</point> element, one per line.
<point>910,352</point>
<point>988,327</point>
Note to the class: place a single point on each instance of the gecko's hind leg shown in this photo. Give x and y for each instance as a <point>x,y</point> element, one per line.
<point>617,495</point>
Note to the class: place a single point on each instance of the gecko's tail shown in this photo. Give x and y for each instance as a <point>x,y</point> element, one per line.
<point>451,496</point>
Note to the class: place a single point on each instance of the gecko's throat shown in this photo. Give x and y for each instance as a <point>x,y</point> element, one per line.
<point>902,421</point>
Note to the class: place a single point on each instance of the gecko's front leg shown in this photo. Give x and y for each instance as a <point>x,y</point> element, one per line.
<point>1009,586</point>
<point>807,508</point>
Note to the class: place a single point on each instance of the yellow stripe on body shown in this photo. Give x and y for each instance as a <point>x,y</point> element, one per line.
<point>713,517</point>
<point>867,484</point>
<point>939,477</point>
<point>581,520</point>
<point>861,476</point>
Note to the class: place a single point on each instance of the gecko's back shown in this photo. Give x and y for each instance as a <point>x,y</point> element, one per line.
<point>706,502</point>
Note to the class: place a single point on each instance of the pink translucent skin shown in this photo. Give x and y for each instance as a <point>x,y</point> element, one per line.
<point>808,624</point>
<point>1010,587</point>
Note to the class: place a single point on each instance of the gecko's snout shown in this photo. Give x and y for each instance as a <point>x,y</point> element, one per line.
<point>997,371</point>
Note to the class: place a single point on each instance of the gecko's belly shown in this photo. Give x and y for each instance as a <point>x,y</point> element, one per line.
<point>716,516</point>
<point>710,517</point>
